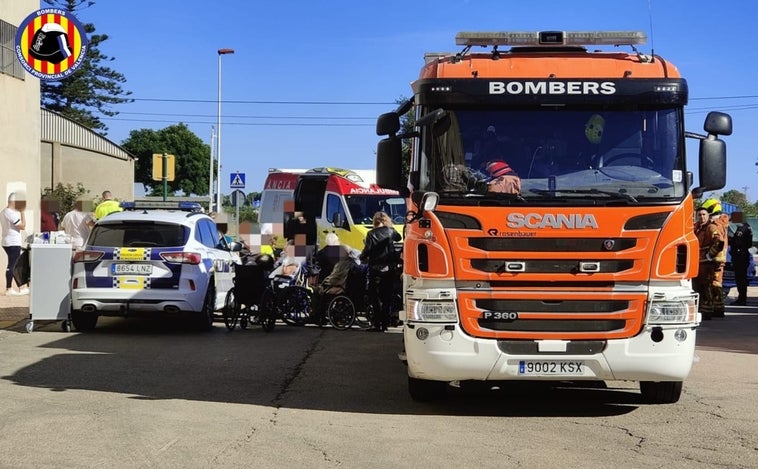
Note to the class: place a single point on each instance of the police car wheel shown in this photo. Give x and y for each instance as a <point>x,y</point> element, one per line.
<point>205,320</point>
<point>83,322</point>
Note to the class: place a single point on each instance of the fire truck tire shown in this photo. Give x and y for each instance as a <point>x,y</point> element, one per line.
<point>424,390</point>
<point>661,392</point>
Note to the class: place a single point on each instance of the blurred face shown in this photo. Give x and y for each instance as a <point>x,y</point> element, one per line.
<point>702,216</point>
<point>50,205</point>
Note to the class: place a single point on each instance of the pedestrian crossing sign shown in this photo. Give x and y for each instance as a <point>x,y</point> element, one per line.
<point>237,180</point>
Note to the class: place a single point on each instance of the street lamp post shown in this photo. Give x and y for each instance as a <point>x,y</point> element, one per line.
<point>221,52</point>
<point>211,182</point>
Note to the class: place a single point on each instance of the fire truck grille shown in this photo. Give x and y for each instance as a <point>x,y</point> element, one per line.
<point>549,266</point>
<point>557,306</point>
<point>545,316</point>
<point>583,245</point>
<point>552,325</point>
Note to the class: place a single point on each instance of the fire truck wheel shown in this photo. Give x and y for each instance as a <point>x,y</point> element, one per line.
<point>424,390</point>
<point>661,392</point>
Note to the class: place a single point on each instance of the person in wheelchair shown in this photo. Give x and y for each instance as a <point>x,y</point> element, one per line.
<point>243,300</point>
<point>348,277</point>
<point>328,256</point>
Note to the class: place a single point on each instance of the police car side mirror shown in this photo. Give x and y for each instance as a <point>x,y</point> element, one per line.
<point>235,246</point>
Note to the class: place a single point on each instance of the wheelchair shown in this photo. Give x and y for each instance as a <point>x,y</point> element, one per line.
<point>243,301</point>
<point>286,297</point>
<point>347,305</point>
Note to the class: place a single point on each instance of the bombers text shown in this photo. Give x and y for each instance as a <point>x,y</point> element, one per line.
<point>552,87</point>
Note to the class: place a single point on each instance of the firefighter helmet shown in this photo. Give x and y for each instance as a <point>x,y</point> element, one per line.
<point>712,206</point>
<point>50,43</point>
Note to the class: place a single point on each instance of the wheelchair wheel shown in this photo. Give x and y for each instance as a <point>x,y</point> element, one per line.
<point>296,306</point>
<point>231,310</point>
<point>243,320</point>
<point>267,311</point>
<point>341,312</point>
<point>363,319</point>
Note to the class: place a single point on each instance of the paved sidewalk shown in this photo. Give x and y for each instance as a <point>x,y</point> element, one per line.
<point>14,312</point>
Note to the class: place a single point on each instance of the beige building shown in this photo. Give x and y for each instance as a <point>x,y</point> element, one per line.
<point>39,149</point>
<point>70,154</point>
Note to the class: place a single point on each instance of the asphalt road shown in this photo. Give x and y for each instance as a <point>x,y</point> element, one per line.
<point>149,394</point>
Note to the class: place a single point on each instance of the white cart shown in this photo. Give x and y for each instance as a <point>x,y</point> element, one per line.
<point>50,284</point>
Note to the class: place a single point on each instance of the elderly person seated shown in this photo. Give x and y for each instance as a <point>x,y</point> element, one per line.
<point>328,256</point>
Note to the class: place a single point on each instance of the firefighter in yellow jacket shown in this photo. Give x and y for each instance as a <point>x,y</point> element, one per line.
<point>711,231</point>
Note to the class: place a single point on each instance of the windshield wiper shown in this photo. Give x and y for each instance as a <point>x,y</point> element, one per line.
<point>458,194</point>
<point>489,196</point>
<point>616,195</point>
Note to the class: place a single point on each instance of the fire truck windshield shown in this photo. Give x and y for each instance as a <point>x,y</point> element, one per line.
<point>568,154</point>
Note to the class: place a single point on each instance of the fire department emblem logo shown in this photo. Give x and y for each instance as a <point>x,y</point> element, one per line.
<point>608,244</point>
<point>51,44</point>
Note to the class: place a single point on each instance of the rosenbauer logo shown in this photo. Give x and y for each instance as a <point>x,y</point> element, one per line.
<point>51,44</point>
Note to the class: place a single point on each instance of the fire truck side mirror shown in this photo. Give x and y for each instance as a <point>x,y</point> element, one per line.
<point>388,124</point>
<point>429,202</point>
<point>712,156</point>
<point>718,123</point>
<point>389,163</point>
<point>712,164</point>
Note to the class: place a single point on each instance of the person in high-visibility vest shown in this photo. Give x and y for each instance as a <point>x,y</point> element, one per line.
<point>108,205</point>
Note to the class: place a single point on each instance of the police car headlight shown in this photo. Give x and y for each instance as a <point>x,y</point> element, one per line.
<point>431,311</point>
<point>677,311</point>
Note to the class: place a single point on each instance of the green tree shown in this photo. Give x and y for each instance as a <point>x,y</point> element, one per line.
<point>191,162</point>
<point>739,199</point>
<point>91,88</point>
<point>67,195</point>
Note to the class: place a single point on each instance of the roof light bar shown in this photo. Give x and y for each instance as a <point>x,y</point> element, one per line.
<point>156,205</point>
<point>550,38</point>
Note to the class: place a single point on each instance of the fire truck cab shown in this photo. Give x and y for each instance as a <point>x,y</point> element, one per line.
<point>551,237</point>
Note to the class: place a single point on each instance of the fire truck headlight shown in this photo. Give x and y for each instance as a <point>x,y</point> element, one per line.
<point>680,310</point>
<point>432,310</point>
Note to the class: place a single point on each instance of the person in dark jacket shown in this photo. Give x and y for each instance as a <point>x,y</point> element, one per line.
<point>739,248</point>
<point>379,253</point>
<point>328,256</point>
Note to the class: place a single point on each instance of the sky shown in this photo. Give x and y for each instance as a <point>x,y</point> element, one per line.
<point>308,79</point>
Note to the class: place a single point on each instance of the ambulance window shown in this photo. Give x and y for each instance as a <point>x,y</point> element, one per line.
<point>334,205</point>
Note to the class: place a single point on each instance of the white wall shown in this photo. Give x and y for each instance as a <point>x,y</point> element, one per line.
<point>19,129</point>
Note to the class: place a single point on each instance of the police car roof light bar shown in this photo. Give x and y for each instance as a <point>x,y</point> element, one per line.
<point>550,38</point>
<point>156,205</point>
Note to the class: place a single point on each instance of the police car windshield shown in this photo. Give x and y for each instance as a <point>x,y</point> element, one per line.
<point>638,153</point>
<point>138,234</point>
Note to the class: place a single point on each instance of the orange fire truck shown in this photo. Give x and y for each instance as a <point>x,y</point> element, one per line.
<point>551,235</point>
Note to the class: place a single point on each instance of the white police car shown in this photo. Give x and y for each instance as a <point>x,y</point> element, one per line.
<point>148,261</point>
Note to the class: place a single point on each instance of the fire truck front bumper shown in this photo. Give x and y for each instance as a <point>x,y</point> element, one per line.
<point>444,352</point>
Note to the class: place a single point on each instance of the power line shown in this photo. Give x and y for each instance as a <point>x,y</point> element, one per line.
<point>244,116</point>
<point>224,101</point>
<point>283,124</point>
<point>724,97</point>
<point>355,103</point>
